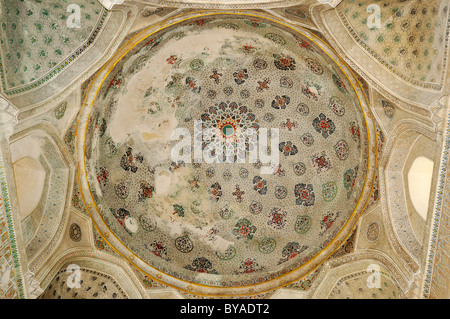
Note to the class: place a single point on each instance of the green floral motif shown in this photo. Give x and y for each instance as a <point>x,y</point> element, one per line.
<point>244,229</point>
<point>178,210</point>
<point>302,224</point>
<point>329,191</point>
<point>267,245</point>
<point>60,110</point>
<point>197,64</point>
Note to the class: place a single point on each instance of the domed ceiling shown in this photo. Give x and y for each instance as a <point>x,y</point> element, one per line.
<point>205,226</point>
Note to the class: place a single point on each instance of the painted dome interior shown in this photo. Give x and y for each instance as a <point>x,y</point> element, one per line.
<point>224,149</point>
<point>232,221</point>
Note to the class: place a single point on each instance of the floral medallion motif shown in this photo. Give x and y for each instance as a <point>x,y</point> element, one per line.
<point>260,185</point>
<point>267,245</point>
<point>324,125</point>
<point>291,250</point>
<point>244,229</point>
<point>110,148</point>
<point>321,162</point>
<point>60,110</point>
<point>248,266</point>
<point>211,94</point>
<point>260,64</point>
<point>336,106</point>
<point>277,218</point>
<point>286,82</point>
<point>299,168</point>
<point>243,173</point>
<point>191,84</point>
<point>289,124</point>
<point>302,224</point>
<point>210,172</point>
<point>307,139</point>
<point>245,94</point>
<point>256,23</point>
<point>238,194</point>
<point>287,148</point>
<point>216,76</point>
<point>284,62</point>
<point>277,170</point>
<point>329,191</point>
<point>305,194</point>
<point>303,109</point>
<point>216,191</point>
<point>373,231</point>
<point>256,208</point>
<point>356,133</point>
<point>388,108</point>
<point>197,64</point>
<point>129,161</point>
<point>269,117</point>
<point>263,85</point>
<point>311,91</point>
<point>147,223</point>
<point>202,265</point>
<point>280,102</point>
<point>281,192</point>
<point>240,76</point>
<point>226,213</point>
<point>75,232</point>
<point>178,210</point>
<point>227,175</point>
<point>184,244</point>
<point>259,103</point>
<point>314,66</point>
<point>225,125</point>
<point>121,190</point>
<point>342,149</point>
<point>146,191</point>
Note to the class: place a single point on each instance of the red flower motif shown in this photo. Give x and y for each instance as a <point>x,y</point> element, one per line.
<point>172,59</point>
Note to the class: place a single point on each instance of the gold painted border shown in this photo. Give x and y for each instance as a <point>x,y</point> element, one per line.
<point>131,257</point>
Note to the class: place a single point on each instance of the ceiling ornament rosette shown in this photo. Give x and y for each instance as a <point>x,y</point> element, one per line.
<point>249,210</point>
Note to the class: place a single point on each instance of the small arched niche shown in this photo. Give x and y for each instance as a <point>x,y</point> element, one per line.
<point>420,176</point>
<point>29,175</point>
